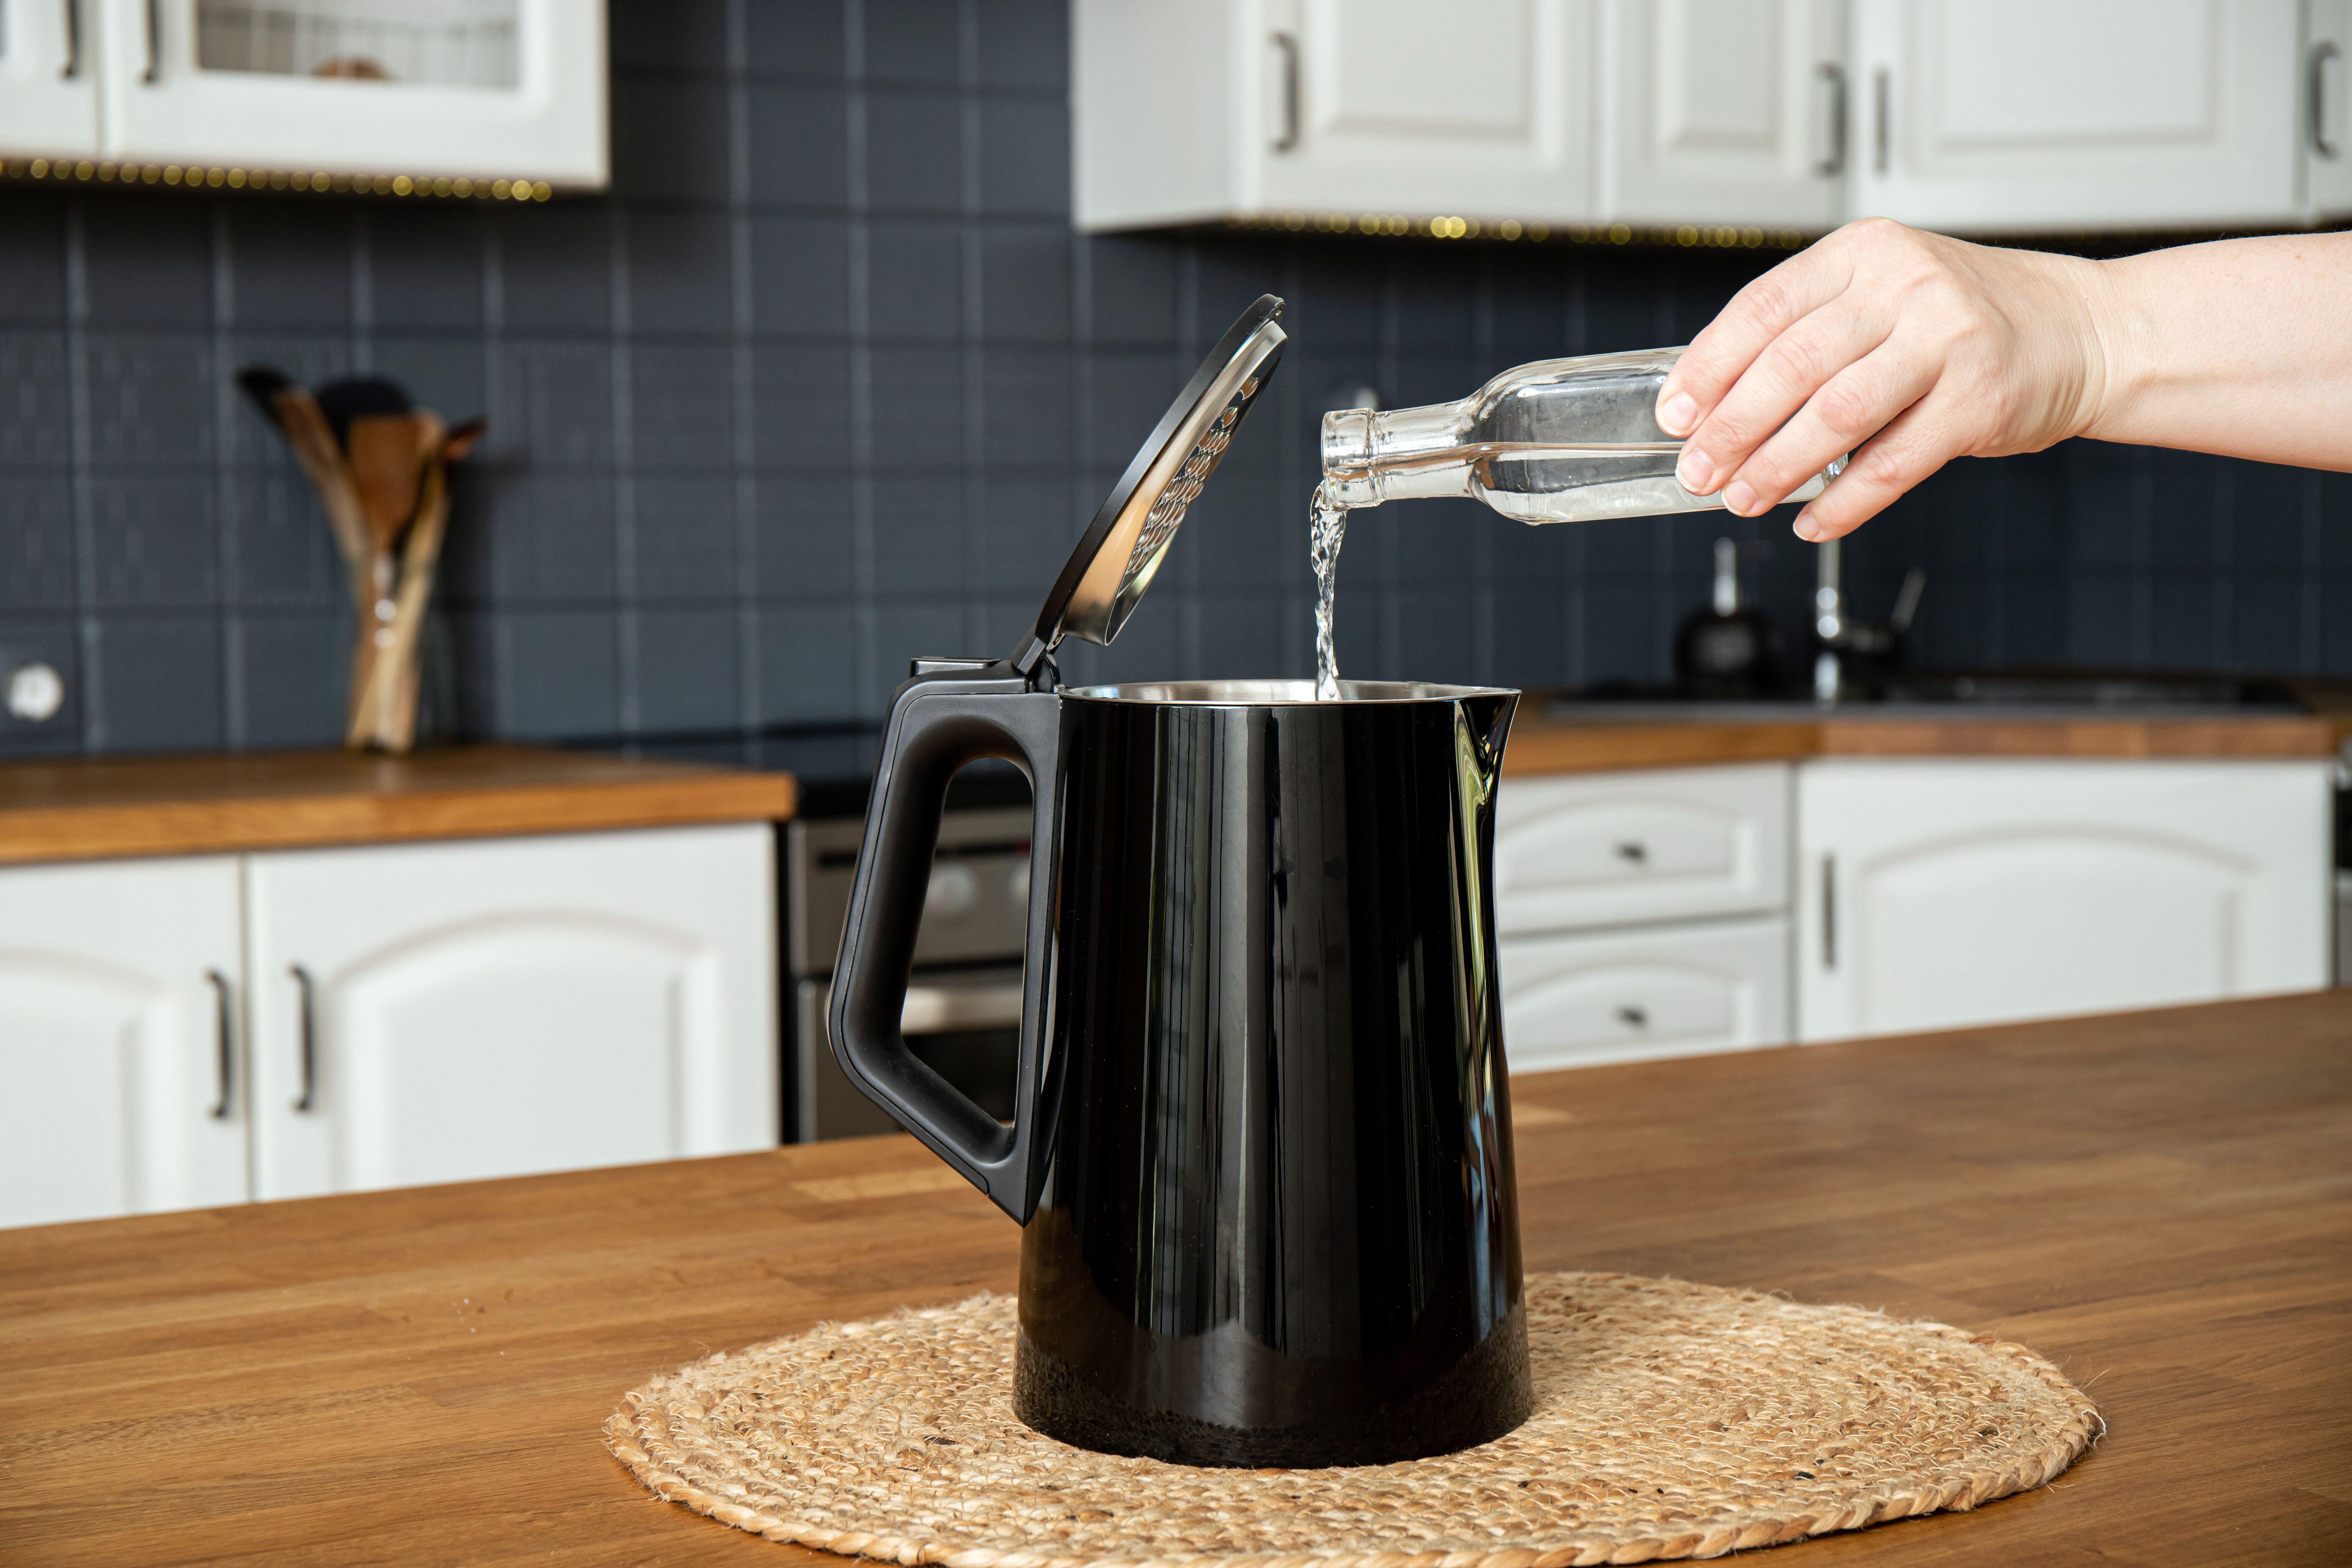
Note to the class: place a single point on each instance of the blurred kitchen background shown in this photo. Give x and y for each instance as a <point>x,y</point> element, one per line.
<point>826,380</point>
<point>809,333</point>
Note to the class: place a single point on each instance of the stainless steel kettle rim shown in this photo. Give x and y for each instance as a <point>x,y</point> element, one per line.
<point>1106,575</point>
<point>1276,693</point>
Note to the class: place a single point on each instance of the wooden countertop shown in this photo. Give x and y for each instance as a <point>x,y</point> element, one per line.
<point>1542,744</point>
<point>2161,1203</point>
<point>95,809</point>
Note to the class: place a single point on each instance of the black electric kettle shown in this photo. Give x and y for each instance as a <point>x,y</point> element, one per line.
<point>1261,1147</point>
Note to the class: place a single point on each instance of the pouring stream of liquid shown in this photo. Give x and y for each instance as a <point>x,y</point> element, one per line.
<point>1328,529</point>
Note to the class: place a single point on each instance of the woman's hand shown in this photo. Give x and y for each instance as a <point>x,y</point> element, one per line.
<point>1906,349</point>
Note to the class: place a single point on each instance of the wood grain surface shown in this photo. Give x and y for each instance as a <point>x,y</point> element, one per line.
<point>2161,1203</point>
<point>95,808</point>
<point>1544,743</point>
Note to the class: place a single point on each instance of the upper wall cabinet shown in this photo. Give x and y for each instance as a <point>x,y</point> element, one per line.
<point>48,82</point>
<point>487,88</point>
<point>2012,115</point>
<point>1983,116</point>
<point>1479,108</point>
<point>1724,111</point>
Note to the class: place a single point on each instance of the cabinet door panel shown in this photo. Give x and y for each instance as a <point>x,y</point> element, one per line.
<point>2014,115</point>
<point>2056,921</point>
<point>1722,111</point>
<point>497,1008</point>
<point>111,1035</point>
<point>1609,848</point>
<point>1481,108</point>
<point>1571,1001</point>
<point>1938,894</point>
<point>49,79</point>
<point>487,88</point>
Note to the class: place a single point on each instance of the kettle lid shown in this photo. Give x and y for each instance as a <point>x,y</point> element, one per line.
<point>1115,559</point>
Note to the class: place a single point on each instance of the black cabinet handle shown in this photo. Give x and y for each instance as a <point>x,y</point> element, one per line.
<point>224,1043</point>
<point>1633,1017</point>
<point>2321,53</point>
<point>1833,165</point>
<point>309,1024</point>
<point>1882,133</point>
<point>1829,911</point>
<point>73,42</point>
<point>1288,141</point>
<point>1634,851</point>
<point>154,43</point>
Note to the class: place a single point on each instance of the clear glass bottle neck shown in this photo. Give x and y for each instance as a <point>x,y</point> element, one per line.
<point>1370,457</point>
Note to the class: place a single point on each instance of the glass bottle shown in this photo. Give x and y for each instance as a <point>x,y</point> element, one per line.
<point>1560,440</point>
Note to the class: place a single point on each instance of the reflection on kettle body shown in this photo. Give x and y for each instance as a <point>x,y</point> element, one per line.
<point>1279,1223</point>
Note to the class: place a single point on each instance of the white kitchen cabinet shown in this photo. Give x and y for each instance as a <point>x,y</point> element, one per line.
<point>1618,848</point>
<point>1480,108</point>
<point>1724,111</point>
<point>1941,893</point>
<point>49,81</point>
<point>2326,108</point>
<point>120,1000</point>
<point>489,89</point>
<point>443,1012</point>
<point>2017,115</point>
<point>1629,995</point>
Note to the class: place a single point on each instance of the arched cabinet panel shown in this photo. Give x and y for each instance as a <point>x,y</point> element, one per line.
<point>466,1011</point>
<point>1944,893</point>
<point>119,1017</point>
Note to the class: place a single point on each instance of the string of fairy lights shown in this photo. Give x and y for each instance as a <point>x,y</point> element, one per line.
<point>461,187</point>
<point>1727,237</point>
<point>191,176</point>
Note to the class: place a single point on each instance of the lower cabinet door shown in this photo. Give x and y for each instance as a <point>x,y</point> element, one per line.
<point>1666,991</point>
<point>120,1039</point>
<point>1938,894</point>
<point>443,1012</point>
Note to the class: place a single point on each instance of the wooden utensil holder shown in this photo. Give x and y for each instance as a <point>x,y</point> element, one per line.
<point>390,539</point>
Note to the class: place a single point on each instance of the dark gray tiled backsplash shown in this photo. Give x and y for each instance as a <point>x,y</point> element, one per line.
<point>828,381</point>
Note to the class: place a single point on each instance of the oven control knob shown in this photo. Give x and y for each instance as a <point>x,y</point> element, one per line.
<point>953,892</point>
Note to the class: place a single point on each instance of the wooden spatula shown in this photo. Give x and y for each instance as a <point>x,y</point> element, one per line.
<point>388,454</point>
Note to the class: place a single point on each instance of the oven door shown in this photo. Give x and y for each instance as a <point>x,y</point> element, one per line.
<point>965,1024</point>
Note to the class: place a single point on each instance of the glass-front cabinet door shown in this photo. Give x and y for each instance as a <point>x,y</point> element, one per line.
<point>487,89</point>
<point>49,79</point>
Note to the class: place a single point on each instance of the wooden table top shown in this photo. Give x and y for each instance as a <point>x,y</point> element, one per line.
<point>2161,1203</point>
<point>85,808</point>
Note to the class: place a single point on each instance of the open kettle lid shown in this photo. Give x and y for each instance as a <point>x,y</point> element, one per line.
<point>1115,559</point>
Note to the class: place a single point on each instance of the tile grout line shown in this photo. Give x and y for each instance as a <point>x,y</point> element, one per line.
<point>495,374</point>
<point>865,668</point>
<point>233,714</point>
<point>972,326</point>
<point>82,439</point>
<point>750,700</point>
<point>628,699</point>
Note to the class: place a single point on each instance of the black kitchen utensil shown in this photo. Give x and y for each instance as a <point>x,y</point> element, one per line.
<point>1726,649</point>
<point>1260,1142</point>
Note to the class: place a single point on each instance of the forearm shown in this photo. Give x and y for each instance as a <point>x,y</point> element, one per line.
<point>2242,347</point>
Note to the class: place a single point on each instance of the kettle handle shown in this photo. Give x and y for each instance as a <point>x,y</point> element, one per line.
<point>937,725</point>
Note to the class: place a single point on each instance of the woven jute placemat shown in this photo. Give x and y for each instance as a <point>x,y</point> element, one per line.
<point>1671,1420</point>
